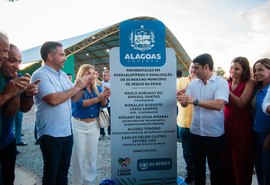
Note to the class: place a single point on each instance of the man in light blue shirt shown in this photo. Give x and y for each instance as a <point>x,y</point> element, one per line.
<point>53,112</point>
<point>208,93</point>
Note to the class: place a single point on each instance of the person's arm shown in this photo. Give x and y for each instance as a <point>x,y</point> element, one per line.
<point>26,98</point>
<point>266,144</point>
<point>81,84</point>
<point>207,104</point>
<point>60,97</point>
<point>244,99</point>
<point>221,96</point>
<point>105,95</point>
<point>104,103</point>
<point>102,97</point>
<point>12,91</point>
<point>73,93</point>
<point>12,106</point>
<point>180,94</point>
<point>211,104</point>
<point>93,101</point>
<point>268,109</point>
<point>9,91</point>
<point>181,99</point>
<point>26,103</point>
<point>266,103</point>
<point>218,102</point>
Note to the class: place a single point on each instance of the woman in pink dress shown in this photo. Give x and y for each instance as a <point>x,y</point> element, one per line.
<point>239,140</point>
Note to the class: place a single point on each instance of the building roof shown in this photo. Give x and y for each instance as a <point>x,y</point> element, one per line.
<point>93,48</point>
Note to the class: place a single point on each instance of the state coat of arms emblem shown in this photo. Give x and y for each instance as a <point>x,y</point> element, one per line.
<point>142,39</point>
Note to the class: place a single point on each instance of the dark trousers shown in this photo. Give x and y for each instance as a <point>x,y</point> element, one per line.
<point>102,131</point>
<point>262,160</point>
<point>56,153</point>
<point>184,135</point>
<point>209,148</point>
<point>1,179</point>
<point>7,160</point>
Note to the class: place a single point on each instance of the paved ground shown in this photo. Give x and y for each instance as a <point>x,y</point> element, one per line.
<point>25,177</point>
<point>29,163</point>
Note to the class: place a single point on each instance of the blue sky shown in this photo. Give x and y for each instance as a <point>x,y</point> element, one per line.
<point>225,29</point>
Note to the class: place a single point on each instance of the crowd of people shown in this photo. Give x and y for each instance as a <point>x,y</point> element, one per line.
<point>76,105</point>
<point>224,122</point>
<point>230,124</point>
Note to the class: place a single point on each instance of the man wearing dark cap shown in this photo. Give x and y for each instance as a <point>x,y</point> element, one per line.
<point>208,93</point>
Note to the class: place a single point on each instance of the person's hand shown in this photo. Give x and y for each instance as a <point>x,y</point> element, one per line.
<point>181,91</point>
<point>12,88</point>
<point>184,99</point>
<point>81,83</point>
<point>266,144</point>
<point>105,94</point>
<point>32,89</point>
<point>23,82</point>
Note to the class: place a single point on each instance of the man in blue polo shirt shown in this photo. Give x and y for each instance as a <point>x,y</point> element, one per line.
<point>53,112</point>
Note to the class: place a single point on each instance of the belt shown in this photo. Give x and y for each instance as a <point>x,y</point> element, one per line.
<point>86,120</point>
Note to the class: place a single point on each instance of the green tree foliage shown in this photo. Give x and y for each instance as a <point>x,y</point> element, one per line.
<point>220,72</point>
<point>31,69</point>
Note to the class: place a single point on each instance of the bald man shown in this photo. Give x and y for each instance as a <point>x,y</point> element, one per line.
<point>4,47</point>
<point>18,93</point>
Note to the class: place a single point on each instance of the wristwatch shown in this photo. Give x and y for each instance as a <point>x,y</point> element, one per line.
<point>196,102</point>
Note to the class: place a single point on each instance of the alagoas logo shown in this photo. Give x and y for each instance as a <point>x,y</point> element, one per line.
<point>142,39</point>
<point>142,43</point>
<point>154,164</point>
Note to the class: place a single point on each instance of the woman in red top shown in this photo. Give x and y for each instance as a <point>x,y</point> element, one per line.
<point>239,141</point>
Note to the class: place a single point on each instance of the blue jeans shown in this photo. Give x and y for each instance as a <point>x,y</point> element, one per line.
<point>184,135</point>
<point>262,160</point>
<point>56,153</point>
<point>18,126</point>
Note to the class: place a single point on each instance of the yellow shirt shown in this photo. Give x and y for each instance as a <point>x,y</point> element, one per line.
<point>184,116</point>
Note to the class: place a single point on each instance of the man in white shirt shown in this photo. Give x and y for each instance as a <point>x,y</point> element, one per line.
<point>208,93</point>
<point>266,103</point>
